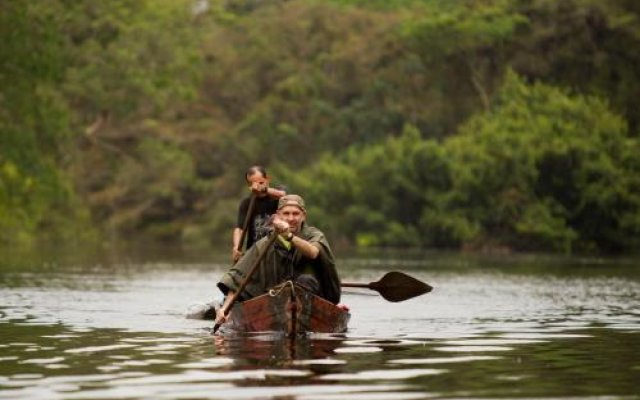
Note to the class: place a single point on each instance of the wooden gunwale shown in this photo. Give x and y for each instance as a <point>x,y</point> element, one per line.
<point>287,308</point>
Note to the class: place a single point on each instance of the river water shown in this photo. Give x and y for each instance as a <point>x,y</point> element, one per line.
<point>493,327</point>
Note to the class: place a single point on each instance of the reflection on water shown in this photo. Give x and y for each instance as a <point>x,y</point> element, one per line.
<point>276,349</point>
<point>103,333</point>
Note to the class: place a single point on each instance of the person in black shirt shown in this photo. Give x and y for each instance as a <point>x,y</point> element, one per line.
<point>266,204</point>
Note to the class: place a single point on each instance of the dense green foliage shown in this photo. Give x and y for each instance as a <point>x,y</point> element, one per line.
<point>540,170</point>
<point>35,195</point>
<point>434,123</point>
<point>545,169</point>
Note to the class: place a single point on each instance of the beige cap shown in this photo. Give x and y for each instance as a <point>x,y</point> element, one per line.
<point>291,200</point>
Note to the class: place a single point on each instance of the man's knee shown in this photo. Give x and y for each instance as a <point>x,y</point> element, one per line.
<point>308,282</point>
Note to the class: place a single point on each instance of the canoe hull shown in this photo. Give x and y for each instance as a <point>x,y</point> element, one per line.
<point>290,309</point>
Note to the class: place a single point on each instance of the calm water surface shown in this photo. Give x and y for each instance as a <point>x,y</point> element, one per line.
<point>516,327</point>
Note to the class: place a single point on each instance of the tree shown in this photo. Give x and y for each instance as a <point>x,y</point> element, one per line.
<point>541,170</point>
<point>546,170</point>
<point>34,133</point>
<point>590,46</point>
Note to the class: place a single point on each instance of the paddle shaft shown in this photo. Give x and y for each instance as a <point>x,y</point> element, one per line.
<point>245,281</point>
<point>360,285</point>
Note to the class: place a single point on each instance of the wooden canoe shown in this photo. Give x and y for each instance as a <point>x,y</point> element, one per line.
<point>287,308</point>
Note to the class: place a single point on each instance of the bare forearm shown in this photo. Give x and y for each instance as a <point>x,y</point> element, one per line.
<point>237,233</point>
<point>227,300</point>
<point>307,249</point>
<point>275,193</point>
<point>224,311</point>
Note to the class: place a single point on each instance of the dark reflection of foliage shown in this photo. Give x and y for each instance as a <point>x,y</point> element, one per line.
<point>277,350</point>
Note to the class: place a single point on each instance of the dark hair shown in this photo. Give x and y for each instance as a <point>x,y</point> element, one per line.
<point>255,169</point>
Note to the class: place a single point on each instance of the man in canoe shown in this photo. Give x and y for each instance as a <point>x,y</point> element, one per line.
<point>300,253</point>
<point>265,203</point>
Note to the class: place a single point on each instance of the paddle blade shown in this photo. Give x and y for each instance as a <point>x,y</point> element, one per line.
<point>395,286</point>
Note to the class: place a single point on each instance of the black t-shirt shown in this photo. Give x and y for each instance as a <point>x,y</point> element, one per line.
<point>263,208</point>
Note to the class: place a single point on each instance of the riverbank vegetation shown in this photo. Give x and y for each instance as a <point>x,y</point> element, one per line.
<point>501,124</point>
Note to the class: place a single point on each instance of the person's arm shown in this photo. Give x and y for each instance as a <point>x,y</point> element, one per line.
<point>306,248</point>
<point>236,253</point>
<point>220,317</point>
<point>275,192</point>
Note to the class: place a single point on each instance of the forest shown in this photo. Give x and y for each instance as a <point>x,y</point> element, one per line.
<point>475,125</point>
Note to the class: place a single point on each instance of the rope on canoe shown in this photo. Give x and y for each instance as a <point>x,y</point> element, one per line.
<point>275,291</point>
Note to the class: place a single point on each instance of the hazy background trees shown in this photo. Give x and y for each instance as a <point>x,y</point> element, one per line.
<point>462,124</point>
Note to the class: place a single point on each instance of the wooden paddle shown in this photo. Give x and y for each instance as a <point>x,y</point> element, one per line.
<point>245,281</point>
<point>247,218</point>
<point>395,286</point>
